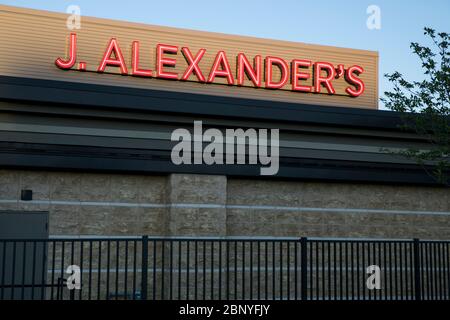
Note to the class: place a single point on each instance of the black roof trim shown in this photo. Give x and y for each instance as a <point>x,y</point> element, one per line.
<point>148,100</point>
<point>81,158</point>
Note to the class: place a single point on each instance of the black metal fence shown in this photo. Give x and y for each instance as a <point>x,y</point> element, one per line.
<point>225,268</point>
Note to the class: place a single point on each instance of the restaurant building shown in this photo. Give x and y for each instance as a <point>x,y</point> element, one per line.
<point>87,116</point>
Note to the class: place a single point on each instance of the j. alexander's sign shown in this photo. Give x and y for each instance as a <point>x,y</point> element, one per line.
<point>270,72</point>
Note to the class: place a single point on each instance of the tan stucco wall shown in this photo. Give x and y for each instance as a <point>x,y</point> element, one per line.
<point>202,205</point>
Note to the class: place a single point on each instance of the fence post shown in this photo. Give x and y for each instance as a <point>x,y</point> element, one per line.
<point>304,267</point>
<point>144,268</point>
<point>417,267</point>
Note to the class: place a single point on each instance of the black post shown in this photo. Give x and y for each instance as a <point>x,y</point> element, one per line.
<point>304,268</point>
<point>144,267</point>
<point>417,266</point>
<point>60,288</point>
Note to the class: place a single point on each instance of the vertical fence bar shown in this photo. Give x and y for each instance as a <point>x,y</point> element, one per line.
<point>429,275</point>
<point>171,271</point>
<point>72,249</point>
<point>259,270</point>
<point>163,268</point>
<point>80,296</point>
<point>187,269</point>
<point>358,271</point>
<point>62,270</point>
<point>379,264</point>
<point>204,270</point>
<point>99,269</point>
<point>108,266</point>
<point>90,269</point>
<point>374,257</point>
<point>401,269</point>
<point>288,263</point>
<point>317,269</point>
<point>341,287</point>
<point>117,270</point>
<point>417,267</point>
<point>228,270</point>
<point>411,271</point>
<point>154,271</point>
<point>368,264</point>
<point>134,268</point>
<point>439,270</point>
<point>2,291</point>
<point>34,270</point>
<point>352,269</point>
<point>235,270</point>
<point>422,259</point>
<point>243,270</point>
<point>323,269</point>
<point>446,271</point>
<point>405,257</point>
<point>391,273</point>
<point>430,280</point>
<point>385,271</point>
<point>445,268</point>
<point>212,270</point>
<point>24,256</point>
<point>53,269</point>
<point>396,270</point>
<point>251,270</point>
<point>311,273</point>
<point>220,269</point>
<point>126,270</point>
<point>144,268</point>
<point>442,270</point>
<point>329,268</point>
<point>196,269</point>
<point>346,271</point>
<point>266,286</point>
<point>431,270</point>
<point>435,270</point>
<point>334,271</point>
<point>296,268</point>
<point>44,270</point>
<point>281,269</point>
<point>179,269</point>
<point>273,270</point>
<point>304,267</point>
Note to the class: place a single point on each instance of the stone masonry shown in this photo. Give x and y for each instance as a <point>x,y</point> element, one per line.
<point>202,205</point>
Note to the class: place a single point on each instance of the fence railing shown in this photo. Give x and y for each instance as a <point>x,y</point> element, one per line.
<point>225,269</point>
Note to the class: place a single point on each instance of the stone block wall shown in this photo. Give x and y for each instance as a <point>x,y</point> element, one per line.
<point>90,204</point>
<point>202,205</point>
<point>346,210</point>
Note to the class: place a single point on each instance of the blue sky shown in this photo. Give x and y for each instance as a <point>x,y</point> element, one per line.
<point>339,23</point>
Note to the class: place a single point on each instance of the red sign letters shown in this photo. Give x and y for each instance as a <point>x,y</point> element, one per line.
<point>301,75</point>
